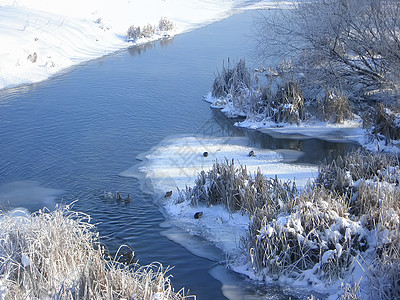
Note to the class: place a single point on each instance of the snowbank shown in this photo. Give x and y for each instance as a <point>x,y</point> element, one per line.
<point>41,37</point>
<point>175,164</point>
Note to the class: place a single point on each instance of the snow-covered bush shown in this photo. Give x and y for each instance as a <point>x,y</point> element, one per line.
<point>335,107</point>
<point>165,25</point>
<point>133,32</point>
<point>147,31</point>
<point>240,89</point>
<point>341,174</point>
<point>58,255</point>
<point>384,279</point>
<point>315,238</point>
<point>289,103</point>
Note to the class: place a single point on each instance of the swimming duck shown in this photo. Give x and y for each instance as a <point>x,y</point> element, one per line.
<point>168,194</point>
<point>128,199</point>
<point>205,154</point>
<point>118,196</point>
<point>251,153</point>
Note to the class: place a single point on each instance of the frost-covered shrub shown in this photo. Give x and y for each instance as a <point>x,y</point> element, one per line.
<point>384,279</point>
<point>335,107</point>
<point>147,31</point>
<point>378,203</point>
<point>133,32</point>
<point>232,82</point>
<point>351,291</point>
<point>165,25</point>
<point>241,89</point>
<point>386,123</point>
<point>58,255</point>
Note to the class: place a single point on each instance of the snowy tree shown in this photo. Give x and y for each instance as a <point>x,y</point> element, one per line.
<point>337,41</point>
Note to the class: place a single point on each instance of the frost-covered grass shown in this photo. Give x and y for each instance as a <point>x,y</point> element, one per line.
<point>238,190</point>
<point>341,229</point>
<point>58,255</point>
<point>277,97</point>
<point>335,107</point>
<point>386,123</point>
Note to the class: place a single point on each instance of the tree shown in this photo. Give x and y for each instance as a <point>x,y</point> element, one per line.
<point>337,41</point>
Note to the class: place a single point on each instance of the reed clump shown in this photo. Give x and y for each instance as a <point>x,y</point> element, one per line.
<point>386,125</point>
<point>341,174</point>
<point>59,255</point>
<point>313,237</point>
<point>233,83</point>
<point>242,91</point>
<point>335,107</point>
<point>238,190</point>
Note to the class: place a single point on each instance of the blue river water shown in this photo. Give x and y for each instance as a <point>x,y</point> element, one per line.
<point>69,137</point>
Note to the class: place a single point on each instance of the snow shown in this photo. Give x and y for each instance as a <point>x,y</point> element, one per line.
<point>40,38</point>
<point>175,163</point>
<point>348,131</point>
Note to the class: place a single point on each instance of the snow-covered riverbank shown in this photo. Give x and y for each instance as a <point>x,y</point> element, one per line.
<point>40,38</point>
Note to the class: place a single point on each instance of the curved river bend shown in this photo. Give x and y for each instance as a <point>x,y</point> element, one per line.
<point>69,137</point>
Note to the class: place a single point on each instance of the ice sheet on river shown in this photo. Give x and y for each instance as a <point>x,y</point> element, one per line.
<point>27,194</point>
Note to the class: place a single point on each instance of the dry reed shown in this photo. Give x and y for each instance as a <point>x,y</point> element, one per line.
<point>59,255</point>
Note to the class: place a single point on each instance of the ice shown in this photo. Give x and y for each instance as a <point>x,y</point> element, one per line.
<point>27,194</point>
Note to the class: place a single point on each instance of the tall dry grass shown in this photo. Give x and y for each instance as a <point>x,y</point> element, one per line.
<point>58,255</point>
<point>245,91</point>
<point>335,107</point>
<point>386,125</point>
<point>233,186</point>
<point>320,232</point>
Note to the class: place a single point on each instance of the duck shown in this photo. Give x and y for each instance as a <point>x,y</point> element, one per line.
<point>205,154</point>
<point>198,215</point>
<point>251,153</point>
<point>168,194</point>
<point>128,199</point>
<point>118,196</point>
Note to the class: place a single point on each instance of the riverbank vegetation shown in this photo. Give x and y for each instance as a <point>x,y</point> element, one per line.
<point>339,60</point>
<point>59,255</point>
<point>344,227</point>
<point>164,27</point>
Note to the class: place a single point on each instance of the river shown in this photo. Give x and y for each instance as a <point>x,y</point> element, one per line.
<point>69,137</point>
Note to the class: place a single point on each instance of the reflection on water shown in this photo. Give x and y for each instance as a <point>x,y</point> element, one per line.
<point>140,49</point>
